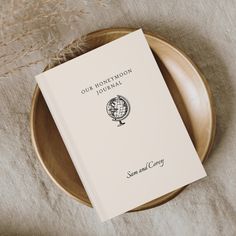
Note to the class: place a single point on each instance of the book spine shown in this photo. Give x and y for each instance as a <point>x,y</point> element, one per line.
<point>70,145</point>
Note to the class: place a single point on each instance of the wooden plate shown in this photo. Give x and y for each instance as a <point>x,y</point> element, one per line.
<point>186,84</point>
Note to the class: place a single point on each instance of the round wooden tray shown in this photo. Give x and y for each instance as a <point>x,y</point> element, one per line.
<point>189,90</point>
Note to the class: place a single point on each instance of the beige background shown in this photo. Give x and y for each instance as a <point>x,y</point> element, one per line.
<point>33,31</point>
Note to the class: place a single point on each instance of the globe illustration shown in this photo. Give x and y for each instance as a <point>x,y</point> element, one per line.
<point>118,109</point>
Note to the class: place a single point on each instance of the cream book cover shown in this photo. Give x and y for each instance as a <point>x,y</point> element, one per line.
<point>120,125</point>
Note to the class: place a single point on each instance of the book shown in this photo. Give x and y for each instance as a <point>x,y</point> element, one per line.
<point>120,125</point>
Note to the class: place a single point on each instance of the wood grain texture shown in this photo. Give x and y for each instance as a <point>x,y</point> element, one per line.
<point>189,90</point>
<point>31,32</point>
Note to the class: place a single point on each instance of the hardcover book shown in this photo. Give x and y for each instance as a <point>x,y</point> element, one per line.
<point>120,125</point>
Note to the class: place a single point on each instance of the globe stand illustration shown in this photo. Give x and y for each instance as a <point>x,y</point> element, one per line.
<point>120,123</point>
<point>118,108</point>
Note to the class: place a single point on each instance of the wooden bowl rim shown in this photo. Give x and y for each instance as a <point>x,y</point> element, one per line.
<point>187,60</point>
